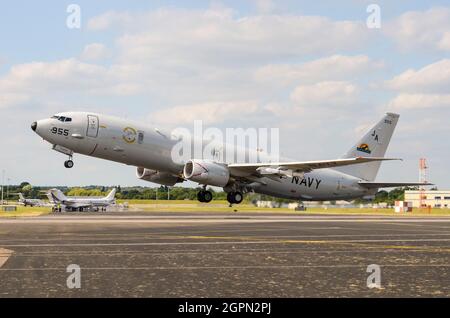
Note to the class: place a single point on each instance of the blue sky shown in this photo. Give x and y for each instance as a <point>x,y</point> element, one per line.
<point>312,69</point>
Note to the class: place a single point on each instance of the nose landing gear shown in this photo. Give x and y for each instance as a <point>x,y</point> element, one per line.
<point>68,163</point>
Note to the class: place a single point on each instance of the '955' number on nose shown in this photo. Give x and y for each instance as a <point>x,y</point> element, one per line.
<point>60,131</point>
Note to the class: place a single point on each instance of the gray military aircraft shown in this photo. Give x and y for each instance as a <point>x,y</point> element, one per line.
<point>149,150</point>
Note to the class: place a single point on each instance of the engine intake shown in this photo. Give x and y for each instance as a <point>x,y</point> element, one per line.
<point>206,172</point>
<point>159,177</point>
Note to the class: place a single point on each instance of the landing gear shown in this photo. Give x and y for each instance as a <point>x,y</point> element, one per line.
<point>68,163</point>
<point>235,197</point>
<point>204,196</point>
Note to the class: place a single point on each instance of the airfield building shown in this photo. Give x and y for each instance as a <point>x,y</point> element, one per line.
<point>433,198</point>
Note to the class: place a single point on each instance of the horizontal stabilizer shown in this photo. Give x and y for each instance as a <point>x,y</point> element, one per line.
<point>372,185</point>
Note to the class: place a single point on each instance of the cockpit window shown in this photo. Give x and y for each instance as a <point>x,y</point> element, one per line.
<point>62,118</point>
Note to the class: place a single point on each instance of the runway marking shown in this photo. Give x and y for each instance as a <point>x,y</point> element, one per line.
<point>159,236</point>
<point>4,255</point>
<point>181,220</point>
<point>223,267</point>
<point>226,242</point>
<point>363,248</point>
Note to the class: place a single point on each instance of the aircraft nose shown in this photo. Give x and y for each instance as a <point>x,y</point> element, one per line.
<point>34,126</point>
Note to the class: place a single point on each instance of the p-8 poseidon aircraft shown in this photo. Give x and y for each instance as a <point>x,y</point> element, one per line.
<point>149,149</point>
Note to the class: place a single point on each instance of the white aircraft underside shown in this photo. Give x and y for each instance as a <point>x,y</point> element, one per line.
<point>149,149</point>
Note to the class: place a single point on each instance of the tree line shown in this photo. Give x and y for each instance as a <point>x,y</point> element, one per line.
<point>172,193</point>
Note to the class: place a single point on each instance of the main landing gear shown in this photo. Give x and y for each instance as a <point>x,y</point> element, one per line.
<point>204,196</point>
<point>68,163</point>
<point>235,197</point>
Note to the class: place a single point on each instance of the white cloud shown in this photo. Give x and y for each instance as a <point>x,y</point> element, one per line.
<point>48,81</point>
<point>264,6</point>
<point>421,29</point>
<point>331,94</point>
<point>209,113</point>
<point>335,67</point>
<point>65,74</point>
<point>419,101</point>
<point>433,78</point>
<point>193,56</point>
<point>216,35</point>
<point>94,51</point>
<point>108,20</point>
<point>11,99</point>
<point>444,43</point>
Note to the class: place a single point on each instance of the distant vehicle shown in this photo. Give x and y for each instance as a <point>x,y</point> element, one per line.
<point>82,203</point>
<point>30,202</point>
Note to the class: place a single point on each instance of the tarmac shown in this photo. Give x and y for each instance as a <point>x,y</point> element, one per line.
<point>224,255</point>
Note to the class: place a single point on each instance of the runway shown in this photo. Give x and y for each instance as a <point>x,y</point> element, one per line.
<point>224,255</point>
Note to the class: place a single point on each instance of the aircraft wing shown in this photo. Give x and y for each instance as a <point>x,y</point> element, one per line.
<point>298,167</point>
<point>372,185</point>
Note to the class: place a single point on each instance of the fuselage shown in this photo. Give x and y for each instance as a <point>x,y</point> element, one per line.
<point>31,202</point>
<point>86,202</point>
<point>116,139</point>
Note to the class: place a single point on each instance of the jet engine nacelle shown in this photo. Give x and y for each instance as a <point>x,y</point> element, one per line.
<point>206,172</point>
<point>155,176</point>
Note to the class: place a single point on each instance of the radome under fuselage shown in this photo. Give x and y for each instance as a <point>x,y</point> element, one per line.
<point>134,144</point>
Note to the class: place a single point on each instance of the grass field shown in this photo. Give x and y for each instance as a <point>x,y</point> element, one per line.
<point>26,211</point>
<point>222,206</point>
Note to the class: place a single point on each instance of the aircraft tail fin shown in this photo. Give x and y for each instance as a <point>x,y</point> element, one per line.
<point>57,195</point>
<point>373,144</point>
<point>111,194</point>
<point>21,197</point>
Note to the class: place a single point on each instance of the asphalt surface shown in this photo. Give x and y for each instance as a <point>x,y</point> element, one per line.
<point>224,255</point>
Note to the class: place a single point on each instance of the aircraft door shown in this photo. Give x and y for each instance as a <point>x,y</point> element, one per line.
<point>92,128</point>
<point>86,135</point>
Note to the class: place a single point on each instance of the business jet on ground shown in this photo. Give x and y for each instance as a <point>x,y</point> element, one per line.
<point>149,149</point>
<point>82,203</point>
<point>30,202</point>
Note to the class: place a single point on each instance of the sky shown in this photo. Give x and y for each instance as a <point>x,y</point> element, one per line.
<point>315,70</point>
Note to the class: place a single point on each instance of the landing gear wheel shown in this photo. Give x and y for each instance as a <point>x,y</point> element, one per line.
<point>230,197</point>
<point>207,196</point>
<point>238,197</point>
<point>68,164</point>
<point>200,196</point>
<point>204,196</point>
<point>235,197</point>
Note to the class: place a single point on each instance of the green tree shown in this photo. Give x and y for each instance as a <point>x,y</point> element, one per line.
<point>26,189</point>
